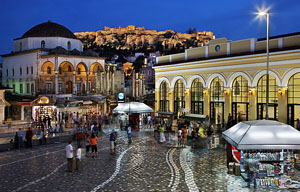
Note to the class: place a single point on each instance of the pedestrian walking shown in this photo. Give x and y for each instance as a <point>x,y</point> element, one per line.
<point>162,138</point>
<point>78,157</point>
<point>209,134</point>
<point>87,144</point>
<point>69,156</point>
<point>16,141</point>
<point>184,132</point>
<point>28,136</point>
<point>179,136</point>
<point>112,139</point>
<point>129,134</point>
<point>94,139</point>
<point>20,138</point>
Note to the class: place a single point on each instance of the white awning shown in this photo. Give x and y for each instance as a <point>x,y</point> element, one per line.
<point>132,107</point>
<point>262,134</point>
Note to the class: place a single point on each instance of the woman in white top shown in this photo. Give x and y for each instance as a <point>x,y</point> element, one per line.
<point>78,157</point>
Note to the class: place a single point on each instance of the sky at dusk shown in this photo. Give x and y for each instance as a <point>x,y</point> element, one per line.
<point>233,19</point>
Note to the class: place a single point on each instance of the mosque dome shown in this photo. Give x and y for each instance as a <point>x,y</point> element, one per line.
<point>49,29</point>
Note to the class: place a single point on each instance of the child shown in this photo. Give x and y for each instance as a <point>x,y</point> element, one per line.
<point>78,157</point>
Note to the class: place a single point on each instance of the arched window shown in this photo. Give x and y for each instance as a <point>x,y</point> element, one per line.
<point>293,99</point>
<point>179,96</point>
<point>43,44</point>
<point>217,90</point>
<point>59,70</point>
<point>69,46</point>
<point>164,96</point>
<point>262,98</point>
<point>240,90</point>
<point>69,68</point>
<point>197,97</point>
<point>48,70</point>
<point>78,71</point>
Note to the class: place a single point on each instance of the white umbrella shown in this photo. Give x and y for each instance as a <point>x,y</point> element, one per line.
<point>262,134</point>
<point>132,107</point>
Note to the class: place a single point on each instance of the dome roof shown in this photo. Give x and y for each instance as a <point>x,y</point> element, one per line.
<point>49,29</point>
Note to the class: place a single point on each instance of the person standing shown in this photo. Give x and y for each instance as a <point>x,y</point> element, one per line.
<point>184,132</point>
<point>28,137</point>
<point>69,156</point>
<point>20,138</point>
<point>87,144</point>
<point>112,139</point>
<point>129,134</point>
<point>179,135</point>
<point>298,125</point>
<point>94,140</point>
<point>162,138</point>
<point>78,157</point>
<point>149,122</point>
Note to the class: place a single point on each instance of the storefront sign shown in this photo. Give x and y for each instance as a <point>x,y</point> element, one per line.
<point>121,97</point>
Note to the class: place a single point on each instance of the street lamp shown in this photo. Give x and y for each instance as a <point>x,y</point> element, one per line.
<point>267,13</point>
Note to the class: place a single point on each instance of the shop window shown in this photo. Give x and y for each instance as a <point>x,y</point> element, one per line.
<point>43,44</point>
<point>48,70</point>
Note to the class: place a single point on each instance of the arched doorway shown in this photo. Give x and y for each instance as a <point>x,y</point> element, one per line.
<point>294,99</point>
<point>217,101</point>
<point>179,97</point>
<point>164,96</point>
<point>197,97</point>
<point>96,78</point>
<point>262,98</point>
<point>240,99</point>
<point>69,87</point>
<point>81,76</point>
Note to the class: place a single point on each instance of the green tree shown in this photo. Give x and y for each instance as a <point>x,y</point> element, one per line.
<point>138,63</point>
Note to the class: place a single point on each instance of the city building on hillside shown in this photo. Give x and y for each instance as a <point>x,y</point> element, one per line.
<point>229,77</point>
<point>148,74</point>
<point>49,61</point>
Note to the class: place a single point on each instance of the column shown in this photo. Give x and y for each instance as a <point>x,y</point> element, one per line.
<point>107,80</point>
<point>252,104</point>
<point>56,82</point>
<point>22,112</point>
<point>206,105</point>
<point>87,82</point>
<point>227,104</point>
<point>188,99</point>
<point>157,99</point>
<point>171,99</point>
<point>282,106</point>
<point>113,79</point>
<point>103,82</point>
<point>74,83</point>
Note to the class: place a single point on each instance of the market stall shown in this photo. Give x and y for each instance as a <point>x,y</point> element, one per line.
<point>267,152</point>
<point>134,109</point>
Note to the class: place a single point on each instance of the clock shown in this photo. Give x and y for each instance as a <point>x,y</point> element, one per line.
<point>121,96</point>
<point>217,48</point>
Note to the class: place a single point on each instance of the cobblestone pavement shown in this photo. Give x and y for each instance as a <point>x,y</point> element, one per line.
<point>144,165</point>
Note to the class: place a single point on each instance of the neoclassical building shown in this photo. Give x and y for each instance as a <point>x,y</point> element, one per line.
<point>230,77</point>
<point>49,60</point>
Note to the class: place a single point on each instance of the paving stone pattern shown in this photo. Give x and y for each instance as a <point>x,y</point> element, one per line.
<point>145,165</point>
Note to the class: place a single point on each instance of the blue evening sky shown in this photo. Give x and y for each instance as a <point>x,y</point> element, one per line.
<point>233,19</point>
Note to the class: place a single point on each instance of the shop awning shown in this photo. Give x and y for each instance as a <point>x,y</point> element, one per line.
<point>184,110</point>
<point>164,113</point>
<point>133,107</point>
<point>195,117</point>
<point>262,135</point>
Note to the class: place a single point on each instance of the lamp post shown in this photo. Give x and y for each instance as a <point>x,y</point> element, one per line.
<point>267,13</point>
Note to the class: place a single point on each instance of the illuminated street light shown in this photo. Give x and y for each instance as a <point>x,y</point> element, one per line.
<point>267,13</point>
